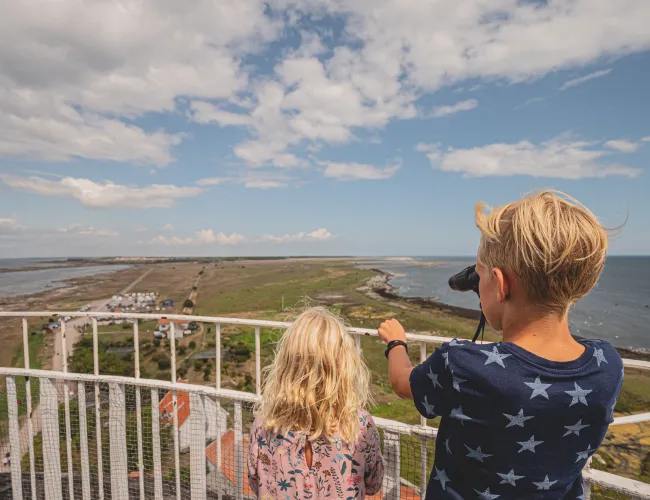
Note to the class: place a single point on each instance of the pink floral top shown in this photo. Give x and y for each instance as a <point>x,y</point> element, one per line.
<point>277,467</point>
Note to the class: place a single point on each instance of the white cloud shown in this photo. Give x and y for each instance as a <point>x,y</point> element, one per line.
<point>622,145</point>
<point>579,81</point>
<point>321,234</point>
<point>74,69</point>
<point>204,112</point>
<point>359,171</point>
<point>141,229</point>
<point>105,194</point>
<point>253,179</point>
<point>209,236</point>
<point>558,157</point>
<point>168,227</point>
<point>202,237</point>
<point>466,105</point>
<point>80,229</point>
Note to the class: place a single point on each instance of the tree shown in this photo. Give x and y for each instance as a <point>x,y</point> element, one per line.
<point>188,303</point>
<point>164,363</point>
<point>181,349</point>
<point>156,342</point>
<point>192,345</point>
<point>197,365</point>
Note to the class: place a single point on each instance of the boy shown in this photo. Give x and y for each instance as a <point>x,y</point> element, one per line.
<point>520,418</point>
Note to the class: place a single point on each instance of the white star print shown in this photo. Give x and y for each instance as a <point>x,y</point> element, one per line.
<point>584,455</point>
<point>434,378</point>
<point>453,342</point>
<point>517,420</point>
<point>446,356</point>
<point>477,454</point>
<point>495,356</point>
<point>457,381</point>
<point>538,388</point>
<point>544,485</point>
<point>485,495</point>
<point>509,478</point>
<point>529,445</point>
<point>581,497</point>
<point>574,429</point>
<point>427,407</point>
<point>578,395</point>
<point>441,476</point>
<point>447,446</point>
<point>600,357</point>
<point>457,413</point>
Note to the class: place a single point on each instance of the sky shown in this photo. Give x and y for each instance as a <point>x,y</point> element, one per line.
<point>314,127</point>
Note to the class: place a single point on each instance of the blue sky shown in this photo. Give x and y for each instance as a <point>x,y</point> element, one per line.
<point>315,127</point>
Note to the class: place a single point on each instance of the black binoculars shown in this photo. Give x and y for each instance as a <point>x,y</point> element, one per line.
<point>465,281</point>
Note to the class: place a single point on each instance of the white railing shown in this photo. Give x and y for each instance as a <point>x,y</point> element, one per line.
<point>206,403</point>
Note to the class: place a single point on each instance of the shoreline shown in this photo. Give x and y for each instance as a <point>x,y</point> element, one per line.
<point>380,287</point>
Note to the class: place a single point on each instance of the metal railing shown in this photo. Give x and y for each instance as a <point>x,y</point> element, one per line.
<point>144,453</point>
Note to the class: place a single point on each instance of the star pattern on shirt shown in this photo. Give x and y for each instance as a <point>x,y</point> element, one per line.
<point>578,395</point>
<point>428,409</point>
<point>529,445</point>
<point>600,357</point>
<point>494,356</point>
<point>517,420</point>
<point>457,381</point>
<point>477,454</point>
<point>458,414</point>
<point>575,428</point>
<point>486,495</point>
<point>434,378</point>
<point>445,355</point>
<point>544,485</point>
<point>447,446</point>
<point>509,478</point>
<point>539,389</point>
<point>584,455</point>
<point>454,342</point>
<point>441,476</point>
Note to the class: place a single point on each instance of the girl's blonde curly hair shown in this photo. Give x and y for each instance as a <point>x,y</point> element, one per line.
<point>318,380</point>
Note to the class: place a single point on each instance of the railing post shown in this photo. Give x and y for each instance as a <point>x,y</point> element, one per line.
<point>258,363</point>
<point>28,395</point>
<point>98,420</point>
<point>66,402</point>
<point>50,430</point>
<point>357,340</point>
<point>197,447</point>
<point>239,454</point>
<point>83,440</point>
<point>392,477</point>
<point>586,485</point>
<point>138,406</point>
<point>117,433</point>
<point>155,438</point>
<point>177,460</point>
<point>14,440</point>
<point>217,330</point>
<point>423,358</point>
<point>423,467</point>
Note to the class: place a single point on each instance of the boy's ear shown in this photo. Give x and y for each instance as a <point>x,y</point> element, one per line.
<point>503,285</point>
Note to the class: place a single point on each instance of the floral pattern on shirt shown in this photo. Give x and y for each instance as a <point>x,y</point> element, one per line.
<point>277,467</point>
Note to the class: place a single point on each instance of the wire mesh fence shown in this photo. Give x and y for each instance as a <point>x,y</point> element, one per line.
<point>98,440</point>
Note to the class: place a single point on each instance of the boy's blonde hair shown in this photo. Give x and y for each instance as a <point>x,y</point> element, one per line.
<point>318,380</point>
<point>552,242</point>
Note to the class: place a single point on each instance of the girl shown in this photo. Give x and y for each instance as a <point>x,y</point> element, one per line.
<point>312,437</point>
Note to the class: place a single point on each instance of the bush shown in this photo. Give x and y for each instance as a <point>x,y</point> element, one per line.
<point>207,370</point>
<point>156,342</point>
<point>125,326</point>
<point>198,364</point>
<point>188,303</point>
<point>182,371</point>
<point>206,376</point>
<point>192,345</point>
<point>181,349</point>
<point>164,363</point>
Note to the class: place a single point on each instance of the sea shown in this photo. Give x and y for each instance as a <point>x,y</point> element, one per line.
<point>19,282</point>
<point>616,310</point>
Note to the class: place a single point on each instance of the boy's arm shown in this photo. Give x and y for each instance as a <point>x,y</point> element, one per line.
<point>399,364</point>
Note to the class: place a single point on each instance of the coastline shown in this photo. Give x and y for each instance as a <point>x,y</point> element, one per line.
<point>380,288</point>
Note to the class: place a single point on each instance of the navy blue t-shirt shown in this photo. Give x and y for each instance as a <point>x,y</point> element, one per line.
<point>515,425</point>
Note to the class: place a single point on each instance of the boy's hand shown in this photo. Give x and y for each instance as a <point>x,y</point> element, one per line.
<point>392,330</point>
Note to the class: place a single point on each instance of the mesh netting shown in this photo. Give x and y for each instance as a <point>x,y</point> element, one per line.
<point>125,446</point>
